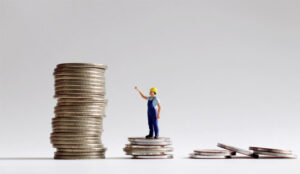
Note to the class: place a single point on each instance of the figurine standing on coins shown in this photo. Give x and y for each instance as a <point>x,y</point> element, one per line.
<point>153,111</point>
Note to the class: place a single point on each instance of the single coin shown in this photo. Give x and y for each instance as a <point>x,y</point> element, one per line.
<point>81,92</point>
<point>83,113</point>
<point>212,152</point>
<point>207,157</point>
<point>80,88</point>
<point>80,115</point>
<point>153,157</point>
<point>79,96</point>
<point>96,119</point>
<point>146,154</point>
<point>68,138</point>
<point>81,65</point>
<point>150,143</point>
<point>81,81</point>
<point>78,70</point>
<point>76,142</point>
<point>76,124</point>
<point>144,147</point>
<point>72,134</point>
<point>236,149</point>
<point>274,154</point>
<point>148,140</point>
<point>80,153</point>
<point>83,131</point>
<point>140,150</point>
<point>80,104</point>
<point>102,149</point>
<point>78,76</point>
<point>71,72</point>
<point>80,146</point>
<point>92,128</point>
<point>81,110</point>
<point>264,149</point>
<point>81,100</point>
<point>73,157</point>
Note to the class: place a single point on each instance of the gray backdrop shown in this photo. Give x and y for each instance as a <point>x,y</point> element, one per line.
<point>227,71</point>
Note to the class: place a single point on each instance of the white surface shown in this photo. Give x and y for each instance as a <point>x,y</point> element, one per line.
<point>227,71</point>
<point>180,165</point>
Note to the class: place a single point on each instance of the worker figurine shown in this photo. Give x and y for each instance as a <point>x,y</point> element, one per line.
<point>153,111</point>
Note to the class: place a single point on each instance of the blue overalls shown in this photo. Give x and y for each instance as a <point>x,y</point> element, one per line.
<point>152,119</point>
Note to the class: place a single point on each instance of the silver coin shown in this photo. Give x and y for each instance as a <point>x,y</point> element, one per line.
<point>153,157</point>
<point>264,149</point>
<point>73,157</point>
<point>274,154</point>
<point>79,96</point>
<point>80,146</point>
<point>102,149</point>
<point>79,119</point>
<point>238,150</point>
<point>76,142</point>
<point>212,152</point>
<point>207,157</point>
<point>81,100</point>
<point>143,147</point>
<point>81,65</point>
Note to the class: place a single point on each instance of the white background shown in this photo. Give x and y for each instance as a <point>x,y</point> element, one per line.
<point>227,71</point>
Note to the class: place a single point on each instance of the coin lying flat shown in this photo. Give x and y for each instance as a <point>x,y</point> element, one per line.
<point>73,157</point>
<point>146,154</point>
<point>274,154</point>
<point>207,157</point>
<point>238,150</point>
<point>212,152</point>
<point>81,65</point>
<point>79,153</point>
<point>145,150</point>
<point>79,146</point>
<point>66,138</point>
<point>75,134</point>
<point>82,150</point>
<point>76,142</point>
<point>74,115</point>
<point>263,149</point>
<point>143,147</point>
<point>153,157</point>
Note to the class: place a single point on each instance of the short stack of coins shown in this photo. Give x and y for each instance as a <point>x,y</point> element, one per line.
<point>211,154</point>
<point>142,148</point>
<point>271,152</point>
<point>77,126</point>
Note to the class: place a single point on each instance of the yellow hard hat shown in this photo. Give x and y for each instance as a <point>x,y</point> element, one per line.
<point>153,90</point>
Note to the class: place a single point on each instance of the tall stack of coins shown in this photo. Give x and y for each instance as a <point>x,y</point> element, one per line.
<point>141,148</point>
<point>77,126</point>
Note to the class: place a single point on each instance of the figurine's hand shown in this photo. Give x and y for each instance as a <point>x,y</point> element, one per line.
<point>158,116</point>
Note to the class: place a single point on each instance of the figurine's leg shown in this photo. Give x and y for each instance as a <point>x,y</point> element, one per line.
<point>155,125</point>
<point>150,123</point>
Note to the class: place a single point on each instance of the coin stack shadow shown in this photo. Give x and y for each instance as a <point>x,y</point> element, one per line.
<point>142,148</point>
<point>77,126</point>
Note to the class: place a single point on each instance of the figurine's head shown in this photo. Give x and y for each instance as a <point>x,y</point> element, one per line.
<point>153,92</point>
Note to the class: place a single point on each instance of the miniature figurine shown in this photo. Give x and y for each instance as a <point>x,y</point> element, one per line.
<point>153,111</point>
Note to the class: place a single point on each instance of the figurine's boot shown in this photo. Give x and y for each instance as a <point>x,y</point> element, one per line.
<point>149,136</point>
<point>156,137</point>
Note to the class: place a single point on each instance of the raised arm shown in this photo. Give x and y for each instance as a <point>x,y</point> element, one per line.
<point>142,95</point>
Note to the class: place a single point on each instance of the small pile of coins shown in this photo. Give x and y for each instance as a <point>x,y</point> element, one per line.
<point>231,151</point>
<point>142,148</point>
<point>211,154</point>
<point>77,126</point>
<point>271,152</point>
